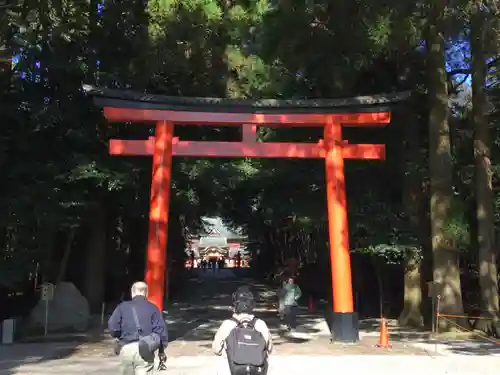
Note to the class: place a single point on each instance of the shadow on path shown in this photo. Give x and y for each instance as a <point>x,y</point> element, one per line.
<point>211,303</point>
<point>192,322</point>
<point>76,351</point>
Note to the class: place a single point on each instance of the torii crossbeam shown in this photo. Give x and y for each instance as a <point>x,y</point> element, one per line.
<point>245,149</point>
<point>164,112</point>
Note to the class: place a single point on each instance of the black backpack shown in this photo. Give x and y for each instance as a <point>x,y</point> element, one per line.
<point>246,349</point>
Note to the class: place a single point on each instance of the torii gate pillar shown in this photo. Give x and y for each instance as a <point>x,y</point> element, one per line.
<point>156,254</point>
<point>344,320</point>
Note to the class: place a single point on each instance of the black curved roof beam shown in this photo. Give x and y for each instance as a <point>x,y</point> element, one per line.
<point>119,98</point>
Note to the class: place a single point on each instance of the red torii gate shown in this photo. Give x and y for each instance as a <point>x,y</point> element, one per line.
<point>164,112</point>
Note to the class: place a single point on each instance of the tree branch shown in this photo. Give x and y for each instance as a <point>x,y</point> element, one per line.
<point>455,87</point>
<point>489,65</point>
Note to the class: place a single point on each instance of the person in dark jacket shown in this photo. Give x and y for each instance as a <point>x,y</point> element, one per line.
<point>122,326</point>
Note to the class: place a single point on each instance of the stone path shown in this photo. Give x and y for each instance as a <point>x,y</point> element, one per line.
<point>193,323</point>
<point>280,365</point>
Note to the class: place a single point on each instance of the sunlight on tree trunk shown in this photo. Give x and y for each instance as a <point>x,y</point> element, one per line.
<point>446,267</point>
<point>488,276</point>
<point>411,315</point>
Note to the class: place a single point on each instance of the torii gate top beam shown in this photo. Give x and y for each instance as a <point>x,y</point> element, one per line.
<point>125,106</point>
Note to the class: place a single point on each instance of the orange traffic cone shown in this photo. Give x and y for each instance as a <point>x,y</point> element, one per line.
<point>311,305</point>
<point>384,335</point>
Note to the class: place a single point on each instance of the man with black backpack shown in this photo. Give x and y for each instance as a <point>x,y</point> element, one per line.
<point>244,339</point>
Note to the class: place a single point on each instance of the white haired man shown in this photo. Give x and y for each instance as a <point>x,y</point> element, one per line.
<point>124,324</point>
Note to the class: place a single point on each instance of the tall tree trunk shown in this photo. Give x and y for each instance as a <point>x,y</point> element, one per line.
<point>488,275</point>
<point>63,266</point>
<point>411,314</point>
<point>95,260</point>
<point>48,270</point>
<point>445,256</point>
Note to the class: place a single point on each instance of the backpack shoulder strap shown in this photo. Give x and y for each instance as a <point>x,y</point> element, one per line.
<point>238,323</point>
<point>136,320</point>
<point>251,323</point>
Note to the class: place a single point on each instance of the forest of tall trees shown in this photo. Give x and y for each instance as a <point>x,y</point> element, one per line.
<point>430,212</point>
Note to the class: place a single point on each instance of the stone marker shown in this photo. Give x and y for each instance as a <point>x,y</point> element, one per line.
<point>69,310</point>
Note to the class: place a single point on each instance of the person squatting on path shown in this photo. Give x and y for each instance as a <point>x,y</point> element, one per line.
<point>140,330</point>
<point>288,297</point>
<point>243,340</point>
